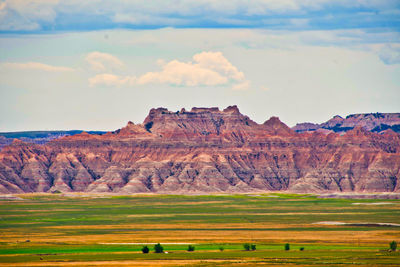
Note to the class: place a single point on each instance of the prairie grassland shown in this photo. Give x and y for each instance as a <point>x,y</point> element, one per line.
<point>55,230</point>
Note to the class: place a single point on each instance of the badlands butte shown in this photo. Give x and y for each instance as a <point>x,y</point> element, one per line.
<point>206,150</point>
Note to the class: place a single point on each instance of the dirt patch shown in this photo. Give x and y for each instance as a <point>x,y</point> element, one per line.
<point>169,243</point>
<point>370,224</point>
<point>361,196</point>
<point>10,197</point>
<point>120,263</point>
<point>225,236</point>
<point>374,203</point>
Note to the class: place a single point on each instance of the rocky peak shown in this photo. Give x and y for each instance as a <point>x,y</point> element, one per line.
<point>273,122</point>
<point>17,141</point>
<point>155,112</point>
<point>232,109</point>
<point>204,110</point>
<point>200,123</point>
<point>275,126</point>
<point>335,121</point>
<point>357,131</point>
<point>205,124</point>
<point>305,126</point>
<point>132,129</point>
<point>374,122</point>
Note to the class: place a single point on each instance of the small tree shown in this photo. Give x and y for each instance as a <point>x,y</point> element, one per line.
<point>190,248</point>
<point>145,249</point>
<point>287,246</point>
<point>302,249</point>
<point>221,249</point>
<point>253,247</point>
<point>393,245</point>
<point>246,246</point>
<point>158,248</point>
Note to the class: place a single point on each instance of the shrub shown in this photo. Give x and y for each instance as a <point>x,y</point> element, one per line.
<point>393,245</point>
<point>248,246</point>
<point>221,249</point>
<point>145,249</point>
<point>190,248</point>
<point>287,246</point>
<point>302,249</point>
<point>158,248</point>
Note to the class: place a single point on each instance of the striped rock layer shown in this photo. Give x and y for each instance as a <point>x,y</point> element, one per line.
<point>205,150</point>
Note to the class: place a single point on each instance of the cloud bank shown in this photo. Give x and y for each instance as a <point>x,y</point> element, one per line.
<point>103,62</point>
<point>74,15</point>
<point>36,66</point>
<point>206,69</point>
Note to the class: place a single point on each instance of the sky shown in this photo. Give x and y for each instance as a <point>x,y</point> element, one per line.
<point>95,65</point>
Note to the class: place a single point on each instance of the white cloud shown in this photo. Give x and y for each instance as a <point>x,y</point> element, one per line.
<point>206,69</point>
<point>182,73</point>
<point>217,62</point>
<point>26,15</point>
<point>42,10</point>
<point>102,62</point>
<point>139,18</point>
<point>36,66</point>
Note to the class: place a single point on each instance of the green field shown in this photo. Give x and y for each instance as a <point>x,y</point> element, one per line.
<point>83,230</point>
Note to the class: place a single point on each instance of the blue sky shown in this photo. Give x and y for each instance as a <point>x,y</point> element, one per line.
<point>53,15</point>
<point>97,64</point>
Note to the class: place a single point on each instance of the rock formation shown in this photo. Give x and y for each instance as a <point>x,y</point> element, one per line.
<point>37,137</point>
<point>374,122</point>
<point>205,150</point>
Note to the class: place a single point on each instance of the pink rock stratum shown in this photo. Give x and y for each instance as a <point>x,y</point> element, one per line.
<point>205,150</point>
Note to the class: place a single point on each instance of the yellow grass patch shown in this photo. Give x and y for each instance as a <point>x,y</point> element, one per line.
<point>130,263</point>
<point>212,236</point>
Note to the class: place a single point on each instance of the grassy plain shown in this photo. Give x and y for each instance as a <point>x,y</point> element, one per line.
<point>82,230</point>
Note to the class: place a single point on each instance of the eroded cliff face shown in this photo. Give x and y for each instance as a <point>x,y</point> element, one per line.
<point>205,150</point>
<point>374,122</point>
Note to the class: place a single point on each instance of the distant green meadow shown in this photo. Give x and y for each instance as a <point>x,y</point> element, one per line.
<point>49,229</point>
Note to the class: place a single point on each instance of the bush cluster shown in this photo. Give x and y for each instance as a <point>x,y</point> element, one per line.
<point>393,245</point>
<point>158,248</point>
<point>145,249</point>
<point>249,247</point>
